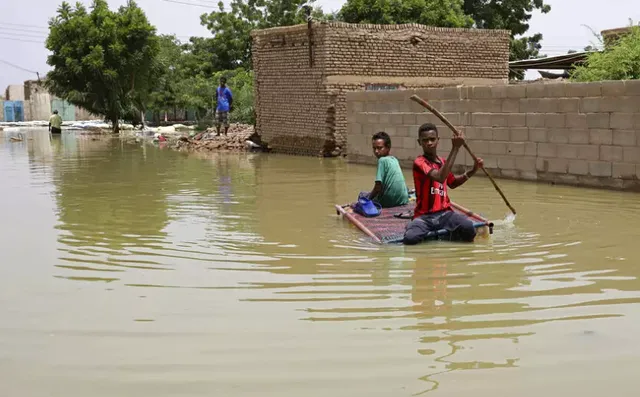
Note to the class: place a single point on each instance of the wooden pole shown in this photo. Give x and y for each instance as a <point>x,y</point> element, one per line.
<point>435,111</point>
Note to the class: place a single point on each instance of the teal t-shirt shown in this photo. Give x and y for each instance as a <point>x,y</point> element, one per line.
<point>394,188</point>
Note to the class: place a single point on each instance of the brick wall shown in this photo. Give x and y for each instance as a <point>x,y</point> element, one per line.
<point>291,103</point>
<point>301,109</point>
<point>584,134</point>
<point>413,50</point>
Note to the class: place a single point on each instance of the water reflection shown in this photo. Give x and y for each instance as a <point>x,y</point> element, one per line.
<point>229,257</point>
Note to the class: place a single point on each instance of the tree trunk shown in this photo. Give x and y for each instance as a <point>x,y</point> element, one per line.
<point>142,117</point>
<point>115,124</point>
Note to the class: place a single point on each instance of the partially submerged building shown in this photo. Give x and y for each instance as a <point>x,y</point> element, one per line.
<point>302,73</point>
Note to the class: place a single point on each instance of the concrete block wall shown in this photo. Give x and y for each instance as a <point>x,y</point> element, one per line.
<point>301,108</point>
<point>585,134</point>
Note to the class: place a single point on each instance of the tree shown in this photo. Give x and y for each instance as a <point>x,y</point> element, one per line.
<point>200,57</point>
<point>197,92</point>
<point>169,61</point>
<point>513,15</point>
<point>619,61</point>
<point>444,13</point>
<point>241,82</point>
<point>231,42</point>
<point>103,61</point>
<point>524,48</point>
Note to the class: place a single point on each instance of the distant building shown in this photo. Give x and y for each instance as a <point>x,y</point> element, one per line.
<point>32,102</point>
<point>14,92</point>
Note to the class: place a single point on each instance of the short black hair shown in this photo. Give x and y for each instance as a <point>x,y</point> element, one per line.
<point>223,79</point>
<point>427,127</point>
<point>384,136</point>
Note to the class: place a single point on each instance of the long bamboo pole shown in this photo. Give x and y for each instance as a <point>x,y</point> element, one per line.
<point>435,111</point>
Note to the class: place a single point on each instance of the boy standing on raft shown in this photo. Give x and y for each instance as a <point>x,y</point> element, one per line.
<point>431,176</point>
<point>390,188</point>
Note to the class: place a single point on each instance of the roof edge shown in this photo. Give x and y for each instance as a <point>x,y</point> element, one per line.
<point>357,26</point>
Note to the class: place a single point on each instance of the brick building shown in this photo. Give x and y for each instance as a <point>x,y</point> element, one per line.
<point>300,91</point>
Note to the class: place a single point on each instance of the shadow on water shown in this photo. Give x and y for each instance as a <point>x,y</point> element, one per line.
<point>243,255</point>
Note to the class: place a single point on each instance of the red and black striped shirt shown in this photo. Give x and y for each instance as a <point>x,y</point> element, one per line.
<point>431,196</point>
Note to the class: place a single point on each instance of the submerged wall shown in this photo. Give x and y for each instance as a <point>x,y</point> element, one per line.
<point>585,134</point>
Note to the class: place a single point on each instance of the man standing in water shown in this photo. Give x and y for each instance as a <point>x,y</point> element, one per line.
<point>224,105</point>
<point>55,123</point>
<point>431,176</point>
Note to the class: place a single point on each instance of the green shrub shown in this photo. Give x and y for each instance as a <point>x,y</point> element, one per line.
<point>621,61</point>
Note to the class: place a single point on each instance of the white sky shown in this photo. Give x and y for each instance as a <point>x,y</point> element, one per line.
<point>23,27</point>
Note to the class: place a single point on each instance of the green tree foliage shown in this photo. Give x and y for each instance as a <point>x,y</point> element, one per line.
<point>201,62</point>
<point>513,15</point>
<point>231,45</point>
<point>200,57</point>
<point>445,13</point>
<point>619,61</point>
<point>103,61</point>
<point>240,82</point>
<point>169,60</point>
<point>200,93</point>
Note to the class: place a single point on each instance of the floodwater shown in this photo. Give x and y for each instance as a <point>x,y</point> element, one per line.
<point>129,270</point>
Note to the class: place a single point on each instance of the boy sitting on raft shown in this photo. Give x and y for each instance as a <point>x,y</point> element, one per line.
<point>390,188</point>
<point>431,176</point>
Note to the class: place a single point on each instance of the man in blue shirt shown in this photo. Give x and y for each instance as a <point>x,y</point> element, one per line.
<point>224,105</point>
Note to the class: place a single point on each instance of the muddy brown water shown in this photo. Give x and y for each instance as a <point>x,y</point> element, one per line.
<point>129,270</point>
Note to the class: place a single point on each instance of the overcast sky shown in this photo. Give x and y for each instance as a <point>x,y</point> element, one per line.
<point>23,27</point>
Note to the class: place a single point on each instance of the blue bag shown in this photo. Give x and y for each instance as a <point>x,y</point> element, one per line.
<point>366,207</point>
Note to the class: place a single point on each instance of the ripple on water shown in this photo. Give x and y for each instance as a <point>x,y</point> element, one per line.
<point>232,262</point>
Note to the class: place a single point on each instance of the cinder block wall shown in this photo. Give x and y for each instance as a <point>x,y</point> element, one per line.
<point>300,107</point>
<point>585,134</point>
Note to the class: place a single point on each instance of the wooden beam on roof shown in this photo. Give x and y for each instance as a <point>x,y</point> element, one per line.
<point>560,62</point>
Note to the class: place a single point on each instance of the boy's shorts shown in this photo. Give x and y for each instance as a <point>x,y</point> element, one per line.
<point>222,118</point>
